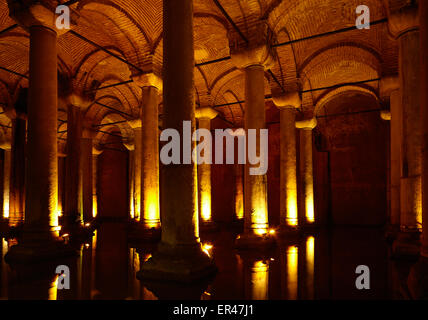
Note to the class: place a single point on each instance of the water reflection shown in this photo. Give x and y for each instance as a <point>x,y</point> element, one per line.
<point>317,266</point>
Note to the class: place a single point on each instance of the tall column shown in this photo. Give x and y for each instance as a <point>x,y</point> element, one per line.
<point>131,149</point>
<point>239,192</point>
<point>138,163</point>
<point>17,172</point>
<point>204,116</point>
<point>418,277</point>
<point>95,153</point>
<point>179,256</point>
<point>41,222</point>
<point>307,171</point>
<point>86,174</point>
<point>73,192</point>
<point>288,103</point>
<point>390,89</point>
<point>423,19</point>
<point>253,58</point>
<point>403,23</point>
<point>150,85</point>
<point>6,182</point>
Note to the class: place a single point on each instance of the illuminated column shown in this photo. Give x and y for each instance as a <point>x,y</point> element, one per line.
<point>41,222</point>
<point>131,148</point>
<point>307,169</point>
<point>150,85</point>
<point>179,256</point>
<point>418,277</point>
<point>288,103</point>
<point>389,88</point>
<point>73,191</point>
<point>253,59</point>
<point>17,172</point>
<point>205,115</point>
<point>138,162</point>
<point>6,181</point>
<point>95,153</point>
<point>423,10</point>
<point>403,24</point>
<point>86,174</point>
<point>239,192</point>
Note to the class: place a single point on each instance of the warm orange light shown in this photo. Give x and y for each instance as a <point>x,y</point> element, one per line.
<point>292,208</point>
<point>151,214</point>
<point>206,247</point>
<point>94,206</point>
<point>206,206</point>
<point>292,272</point>
<point>53,289</point>
<point>272,231</point>
<point>309,203</point>
<point>259,280</point>
<point>310,266</point>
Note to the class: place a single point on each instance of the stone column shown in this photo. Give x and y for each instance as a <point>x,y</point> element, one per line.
<point>418,277</point>
<point>403,24</point>
<point>389,87</point>
<point>423,18</point>
<point>179,256</point>
<point>6,181</point>
<point>95,153</point>
<point>131,148</point>
<point>306,161</point>
<point>288,103</point>
<point>253,58</point>
<point>138,163</point>
<point>73,192</point>
<point>86,174</point>
<point>41,222</point>
<point>150,85</point>
<point>239,192</point>
<point>17,172</point>
<point>204,116</point>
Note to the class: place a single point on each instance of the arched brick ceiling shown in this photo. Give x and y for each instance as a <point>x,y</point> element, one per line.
<point>133,31</point>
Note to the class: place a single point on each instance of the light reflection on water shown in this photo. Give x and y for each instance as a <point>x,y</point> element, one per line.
<point>317,266</point>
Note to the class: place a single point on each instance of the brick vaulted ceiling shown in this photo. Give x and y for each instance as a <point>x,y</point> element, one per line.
<point>132,29</point>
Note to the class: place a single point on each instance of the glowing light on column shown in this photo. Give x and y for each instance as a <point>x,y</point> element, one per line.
<point>310,258</point>
<point>259,280</point>
<point>53,289</point>
<point>292,219</point>
<point>206,206</point>
<point>94,206</point>
<point>292,272</point>
<point>151,207</point>
<point>310,216</point>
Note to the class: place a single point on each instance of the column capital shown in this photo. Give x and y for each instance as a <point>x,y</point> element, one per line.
<point>287,100</point>
<point>205,113</point>
<point>30,13</point>
<point>75,99</point>
<point>307,124</point>
<point>257,51</point>
<point>135,123</point>
<point>150,79</point>
<point>388,84</point>
<point>402,16</point>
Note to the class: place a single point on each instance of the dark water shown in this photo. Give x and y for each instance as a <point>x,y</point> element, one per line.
<point>321,265</point>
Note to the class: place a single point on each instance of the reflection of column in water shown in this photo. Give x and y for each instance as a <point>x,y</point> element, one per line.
<point>53,289</point>
<point>146,294</point>
<point>3,268</point>
<point>94,248</point>
<point>134,263</point>
<point>259,280</point>
<point>310,266</point>
<point>292,272</point>
<point>86,278</point>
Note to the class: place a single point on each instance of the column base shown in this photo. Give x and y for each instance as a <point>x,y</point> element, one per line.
<point>248,241</point>
<point>417,282</point>
<point>391,232</point>
<point>208,226</point>
<point>406,245</point>
<point>30,252</point>
<point>286,231</point>
<point>180,264</point>
<point>138,232</point>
